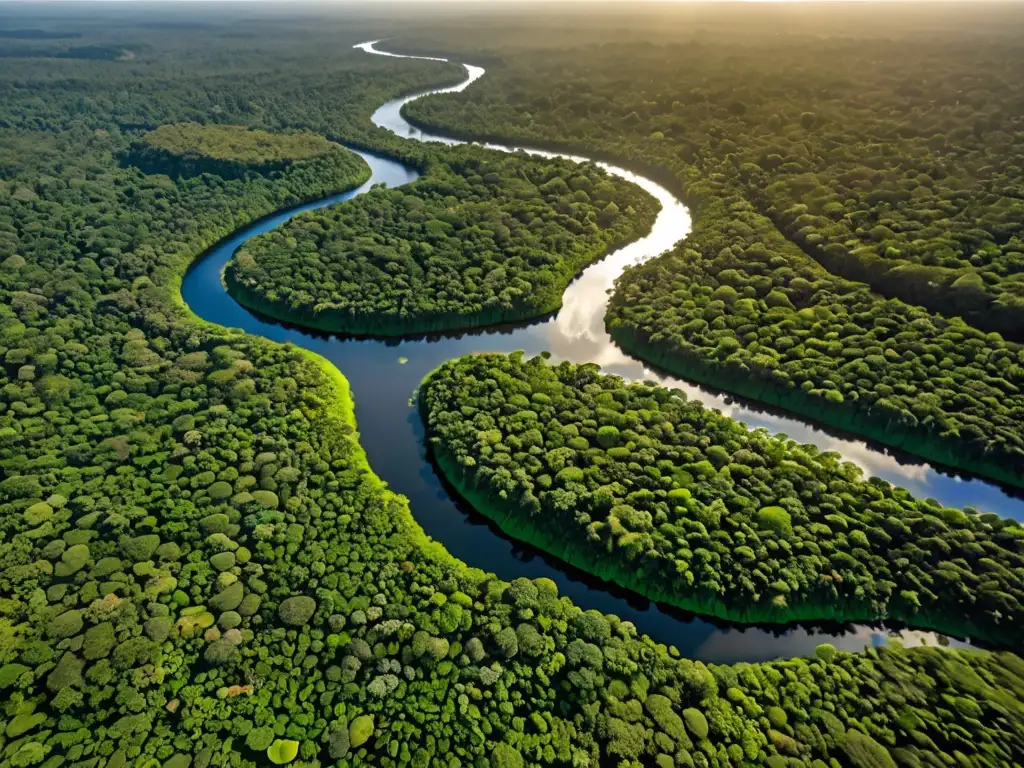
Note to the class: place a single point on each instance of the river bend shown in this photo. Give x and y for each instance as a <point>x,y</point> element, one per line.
<point>384,374</point>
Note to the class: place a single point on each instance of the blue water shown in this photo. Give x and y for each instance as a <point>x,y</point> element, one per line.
<point>384,374</point>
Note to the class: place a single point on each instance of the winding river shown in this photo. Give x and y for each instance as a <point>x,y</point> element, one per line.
<point>384,374</point>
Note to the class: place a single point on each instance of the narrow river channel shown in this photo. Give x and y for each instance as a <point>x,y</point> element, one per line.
<point>384,374</point>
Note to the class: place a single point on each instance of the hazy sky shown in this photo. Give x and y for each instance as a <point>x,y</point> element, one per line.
<point>485,2</point>
<point>499,2</point>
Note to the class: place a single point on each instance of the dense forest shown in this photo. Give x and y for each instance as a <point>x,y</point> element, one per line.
<point>188,149</point>
<point>858,237</point>
<point>197,565</point>
<point>915,188</point>
<point>686,506</point>
<point>481,239</point>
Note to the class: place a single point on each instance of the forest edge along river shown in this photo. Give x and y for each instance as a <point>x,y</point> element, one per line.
<point>384,374</point>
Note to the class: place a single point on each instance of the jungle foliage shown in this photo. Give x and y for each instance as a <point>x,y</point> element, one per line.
<point>482,238</point>
<point>226,150</point>
<point>804,179</point>
<point>915,188</point>
<point>197,566</point>
<point>636,484</point>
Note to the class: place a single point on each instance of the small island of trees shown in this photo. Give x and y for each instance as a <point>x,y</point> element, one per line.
<point>184,149</point>
<point>481,239</point>
<point>637,485</point>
